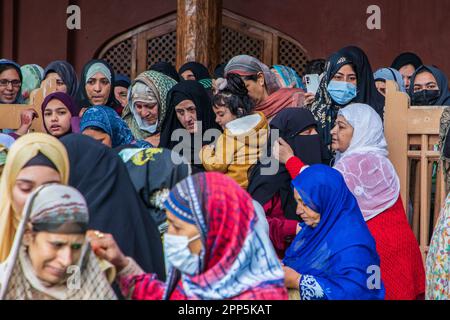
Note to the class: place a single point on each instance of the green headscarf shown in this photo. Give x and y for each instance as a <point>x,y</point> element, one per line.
<point>159,84</point>
<point>32,77</point>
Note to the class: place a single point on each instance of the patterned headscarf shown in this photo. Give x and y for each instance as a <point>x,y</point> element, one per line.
<point>109,121</point>
<point>289,77</point>
<point>21,152</point>
<point>57,209</point>
<point>158,85</point>
<point>32,77</point>
<point>245,65</point>
<point>325,109</point>
<point>238,255</point>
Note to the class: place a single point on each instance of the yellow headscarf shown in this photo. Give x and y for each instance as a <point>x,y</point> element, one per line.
<point>22,151</point>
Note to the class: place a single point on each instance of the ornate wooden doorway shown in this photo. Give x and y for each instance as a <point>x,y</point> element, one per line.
<point>135,51</point>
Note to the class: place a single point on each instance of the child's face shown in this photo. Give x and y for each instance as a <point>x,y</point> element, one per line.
<point>223,115</point>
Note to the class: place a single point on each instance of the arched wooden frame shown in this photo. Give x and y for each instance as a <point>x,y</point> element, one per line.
<point>141,35</point>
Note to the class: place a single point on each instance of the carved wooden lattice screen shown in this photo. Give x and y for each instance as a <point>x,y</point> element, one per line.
<point>162,48</point>
<point>135,51</point>
<point>119,57</point>
<point>412,134</point>
<point>235,43</point>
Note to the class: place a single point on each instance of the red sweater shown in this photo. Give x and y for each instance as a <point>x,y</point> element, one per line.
<point>281,230</point>
<point>401,262</point>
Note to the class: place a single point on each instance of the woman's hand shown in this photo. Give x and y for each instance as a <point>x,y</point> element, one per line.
<point>26,119</point>
<point>282,151</point>
<point>291,278</point>
<point>105,247</point>
<point>309,98</point>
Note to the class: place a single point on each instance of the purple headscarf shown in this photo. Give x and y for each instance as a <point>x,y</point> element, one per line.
<point>71,106</point>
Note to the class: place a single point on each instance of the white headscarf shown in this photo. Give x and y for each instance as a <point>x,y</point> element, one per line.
<point>367,171</point>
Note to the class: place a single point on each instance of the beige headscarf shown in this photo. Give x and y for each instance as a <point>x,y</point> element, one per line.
<point>22,151</point>
<point>63,210</point>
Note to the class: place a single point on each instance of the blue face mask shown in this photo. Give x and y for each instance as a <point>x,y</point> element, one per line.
<point>178,255</point>
<point>341,92</point>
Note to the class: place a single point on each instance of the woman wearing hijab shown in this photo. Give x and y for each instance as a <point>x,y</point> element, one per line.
<point>32,77</point>
<point>147,105</point>
<point>262,86</point>
<point>196,71</point>
<point>121,85</point>
<point>287,77</point>
<point>10,82</point>
<point>407,63</point>
<point>60,114</point>
<point>383,74</point>
<point>50,240</point>
<point>166,68</point>
<point>33,160</point>
<point>362,160</point>
<point>97,86</point>
<point>273,191</point>
<point>100,175</point>
<point>429,87</point>
<point>189,108</point>
<point>333,256</point>
<point>348,79</point>
<point>65,76</point>
<point>104,124</point>
<point>216,247</point>
<point>438,258</point>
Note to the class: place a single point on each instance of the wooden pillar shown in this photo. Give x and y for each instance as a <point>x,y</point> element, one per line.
<point>199,25</point>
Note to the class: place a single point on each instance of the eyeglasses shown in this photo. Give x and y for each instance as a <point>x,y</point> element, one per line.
<point>6,82</point>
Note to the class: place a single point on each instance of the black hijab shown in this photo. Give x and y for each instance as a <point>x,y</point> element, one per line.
<point>100,175</point>
<point>166,68</point>
<point>442,82</point>
<point>200,71</point>
<point>290,122</point>
<point>83,100</point>
<point>188,90</point>
<point>67,74</point>
<point>406,58</point>
<point>325,109</point>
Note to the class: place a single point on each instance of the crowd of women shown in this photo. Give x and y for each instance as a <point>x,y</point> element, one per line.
<point>240,185</point>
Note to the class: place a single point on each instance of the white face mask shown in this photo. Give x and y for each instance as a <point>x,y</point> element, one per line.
<point>151,127</point>
<point>178,255</point>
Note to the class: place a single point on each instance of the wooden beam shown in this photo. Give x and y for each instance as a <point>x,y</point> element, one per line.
<point>199,25</point>
<point>10,113</point>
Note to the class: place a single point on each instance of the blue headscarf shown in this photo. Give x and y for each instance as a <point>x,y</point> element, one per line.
<point>109,121</point>
<point>384,74</point>
<point>19,99</point>
<point>289,77</point>
<point>340,251</point>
